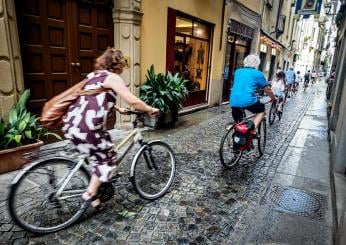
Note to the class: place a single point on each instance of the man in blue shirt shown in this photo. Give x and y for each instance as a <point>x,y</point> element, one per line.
<point>247,81</point>
<point>290,77</point>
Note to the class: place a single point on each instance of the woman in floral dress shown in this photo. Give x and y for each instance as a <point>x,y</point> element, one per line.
<point>85,121</point>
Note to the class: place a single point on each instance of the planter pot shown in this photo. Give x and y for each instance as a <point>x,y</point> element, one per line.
<point>11,159</point>
<point>164,120</point>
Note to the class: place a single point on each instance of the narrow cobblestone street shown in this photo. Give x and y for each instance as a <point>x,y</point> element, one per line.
<point>208,204</point>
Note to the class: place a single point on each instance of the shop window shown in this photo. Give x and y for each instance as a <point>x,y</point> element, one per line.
<point>192,52</point>
<point>184,26</point>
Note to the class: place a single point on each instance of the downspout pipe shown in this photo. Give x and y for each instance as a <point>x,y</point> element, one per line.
<point>222,22</point>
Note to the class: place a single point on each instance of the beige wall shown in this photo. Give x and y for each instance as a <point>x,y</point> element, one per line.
<point>254,5</point>
<point>10,63</point>
<point>154,35</point>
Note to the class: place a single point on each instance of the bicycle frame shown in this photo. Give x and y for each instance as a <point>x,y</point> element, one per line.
<point>136,137</point>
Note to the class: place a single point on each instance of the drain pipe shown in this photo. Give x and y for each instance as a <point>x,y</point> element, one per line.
<point>222,22</point>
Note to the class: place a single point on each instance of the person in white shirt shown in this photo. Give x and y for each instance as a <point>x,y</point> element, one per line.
<point>299,79</point>
<point>278,87</point>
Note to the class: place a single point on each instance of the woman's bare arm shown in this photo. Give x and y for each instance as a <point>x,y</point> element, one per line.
<point>116,83</point>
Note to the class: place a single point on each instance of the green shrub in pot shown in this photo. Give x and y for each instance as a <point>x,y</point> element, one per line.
<point>22,128</point>
<point>166,92</point>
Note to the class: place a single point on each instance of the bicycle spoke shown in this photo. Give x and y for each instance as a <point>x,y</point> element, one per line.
<point>154,170</point>
<point>34,203</point>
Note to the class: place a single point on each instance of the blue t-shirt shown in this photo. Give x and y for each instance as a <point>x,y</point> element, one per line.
<point>246,82</point>
<point>290,76</point>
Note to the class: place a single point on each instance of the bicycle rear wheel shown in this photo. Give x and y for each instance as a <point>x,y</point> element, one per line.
<point>272,113</point>
<point>261,138</point>
<point>32,202</point>
<point>229,156</point>
<point>153,170</point>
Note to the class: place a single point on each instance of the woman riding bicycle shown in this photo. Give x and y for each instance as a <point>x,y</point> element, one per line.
<point>84,124</point>
<point>278,87</point>
<point>247,81</point>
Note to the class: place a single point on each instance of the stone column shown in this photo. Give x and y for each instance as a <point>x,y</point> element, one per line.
<point>11,74</point>
<point>127,18</point>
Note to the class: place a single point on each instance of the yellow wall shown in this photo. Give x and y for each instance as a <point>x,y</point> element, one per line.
<point>154,31</point>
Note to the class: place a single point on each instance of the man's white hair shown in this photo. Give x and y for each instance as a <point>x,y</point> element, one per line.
<point>252,61</point>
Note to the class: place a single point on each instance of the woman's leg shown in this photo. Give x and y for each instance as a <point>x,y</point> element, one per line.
<point>92,190</point>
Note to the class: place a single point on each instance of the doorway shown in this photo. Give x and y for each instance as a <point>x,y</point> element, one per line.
<point>59,42</point>
<point>272,66</point>
<point>236,51</point>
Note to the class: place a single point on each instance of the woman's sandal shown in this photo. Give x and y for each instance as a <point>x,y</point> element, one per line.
<point>87,203</point>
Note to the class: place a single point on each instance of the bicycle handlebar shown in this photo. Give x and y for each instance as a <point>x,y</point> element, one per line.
<point>138,113</point>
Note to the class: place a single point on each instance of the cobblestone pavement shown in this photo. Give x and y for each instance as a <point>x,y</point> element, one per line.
<point>204,204</point>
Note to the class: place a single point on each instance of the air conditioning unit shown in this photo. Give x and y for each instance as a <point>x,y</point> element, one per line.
<point>269,4</point>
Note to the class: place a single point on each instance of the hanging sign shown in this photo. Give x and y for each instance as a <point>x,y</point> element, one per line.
<point>308,7</point>
<point>273,51</point>
<point>263,48</point>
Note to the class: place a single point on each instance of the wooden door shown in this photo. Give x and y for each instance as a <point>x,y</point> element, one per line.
<point>44,42</point>
<point>94,33</point>
<point>59,43</point>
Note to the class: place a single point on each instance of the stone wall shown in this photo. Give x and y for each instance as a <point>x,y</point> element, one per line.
<point>11,75</point>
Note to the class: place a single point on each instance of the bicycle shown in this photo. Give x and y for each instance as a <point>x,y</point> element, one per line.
<point>295,88</point>
<point>58,199</point>
<point>306,84</point>
<point>274,110</point>
<point>230,154</point>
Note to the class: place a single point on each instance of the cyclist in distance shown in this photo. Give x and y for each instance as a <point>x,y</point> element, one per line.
<point>290,77</point>
<point>278,86</point>
<point>247,81</point>
<point>299,79</point>
<point>307,78</point>
<point>85,121</point>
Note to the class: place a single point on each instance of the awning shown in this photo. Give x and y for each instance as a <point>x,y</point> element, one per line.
<point>273,39</point>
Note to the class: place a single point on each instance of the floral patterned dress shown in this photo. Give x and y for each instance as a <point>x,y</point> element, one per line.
<point>85,126</point>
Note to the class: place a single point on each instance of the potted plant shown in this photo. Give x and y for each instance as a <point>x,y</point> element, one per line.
<point>20,135</point>
<point>165,92</point>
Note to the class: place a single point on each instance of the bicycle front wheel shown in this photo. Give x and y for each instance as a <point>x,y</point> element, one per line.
<point>261,138</point>
<point>153,170</point>
<point>272,113</point>
<point>32,199</point>
<point>229,156</point>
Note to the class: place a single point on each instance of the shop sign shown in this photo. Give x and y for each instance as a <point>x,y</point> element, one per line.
<point>308,7</point>
<point>273,51</point>
<point>237,28</point>
<point>263,48</point>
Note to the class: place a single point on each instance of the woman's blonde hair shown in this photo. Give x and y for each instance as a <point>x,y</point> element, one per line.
<point>111,60</point>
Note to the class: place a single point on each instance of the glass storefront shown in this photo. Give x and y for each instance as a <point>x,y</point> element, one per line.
<point>191,56</point>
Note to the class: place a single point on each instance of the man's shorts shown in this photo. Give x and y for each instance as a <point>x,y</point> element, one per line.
<point>237,112</point>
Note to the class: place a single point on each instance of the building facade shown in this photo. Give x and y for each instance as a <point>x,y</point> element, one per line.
<point>49,45</point>
<point>184,37</point>
<point>242,24</point>
<point>276,41</point>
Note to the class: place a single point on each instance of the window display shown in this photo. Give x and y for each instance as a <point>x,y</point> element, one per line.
<point>192,52</point>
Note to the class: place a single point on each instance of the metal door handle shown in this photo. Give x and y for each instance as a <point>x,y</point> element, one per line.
<point>73,64</point>
<point>78,64</point>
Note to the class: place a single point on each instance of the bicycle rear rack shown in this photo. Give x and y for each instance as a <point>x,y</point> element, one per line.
<point>66,150</point>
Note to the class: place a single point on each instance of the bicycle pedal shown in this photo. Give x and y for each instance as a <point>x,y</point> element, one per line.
<point>116,177</point>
